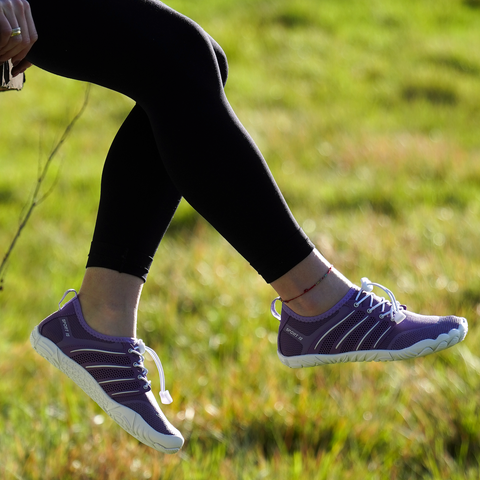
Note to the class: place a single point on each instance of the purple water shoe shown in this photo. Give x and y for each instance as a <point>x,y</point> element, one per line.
<point>110,370</point>
<point>363,327</point>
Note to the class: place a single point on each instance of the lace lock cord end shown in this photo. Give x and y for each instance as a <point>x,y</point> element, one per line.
<point>399,316</point>
<point>367,285</point>
<point>165,397</point>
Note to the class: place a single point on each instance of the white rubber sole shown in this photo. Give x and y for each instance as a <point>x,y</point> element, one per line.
<point>420,349</point>
<point>130,421</point>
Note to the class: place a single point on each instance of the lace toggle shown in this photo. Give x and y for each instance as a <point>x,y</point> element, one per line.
<point>395,312</point>
<point>140,349</point>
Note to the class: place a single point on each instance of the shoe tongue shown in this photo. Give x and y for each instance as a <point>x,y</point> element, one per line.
<point>371,294</point>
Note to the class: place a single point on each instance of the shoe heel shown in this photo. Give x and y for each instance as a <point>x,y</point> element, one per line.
<point>44,347</point>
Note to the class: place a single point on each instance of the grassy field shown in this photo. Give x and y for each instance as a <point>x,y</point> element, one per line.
<point>368,113</point>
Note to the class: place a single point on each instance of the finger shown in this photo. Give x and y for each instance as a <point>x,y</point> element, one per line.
<point>16,14</point>
<point>32,31</point>
<point>19,57</point>
<point>18,46</point>
<point>21,67</point>
<point>5,31</point>
<point>13,48</point>
<point>20,43</point>
<point>9,44</point>
<point>24,20</point>
<point>17,54</point>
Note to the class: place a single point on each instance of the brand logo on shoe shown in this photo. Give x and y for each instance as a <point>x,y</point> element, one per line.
<point>66,327</point>
<point>294,334</point>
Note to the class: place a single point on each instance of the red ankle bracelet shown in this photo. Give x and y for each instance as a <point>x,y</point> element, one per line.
<point>308,289</point>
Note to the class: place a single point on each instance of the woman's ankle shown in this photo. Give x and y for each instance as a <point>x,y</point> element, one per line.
<point>108,321</point>
<point>109,301</point>
<point>313,286</point>
<point>323,297</point>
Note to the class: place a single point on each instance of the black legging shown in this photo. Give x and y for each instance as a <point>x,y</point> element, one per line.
<point>181,139</point>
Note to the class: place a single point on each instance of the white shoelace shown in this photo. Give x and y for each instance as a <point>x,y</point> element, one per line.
<point>140,349</point>
<point>395,311</point>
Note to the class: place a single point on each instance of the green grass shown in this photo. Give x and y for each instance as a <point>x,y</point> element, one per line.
<point>368,114</point>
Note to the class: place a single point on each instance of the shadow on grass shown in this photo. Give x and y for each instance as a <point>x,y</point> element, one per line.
<point>472,3</point>
<point>436,94</point>
<point>6,195</point>
<point>455,63</point>
<point>271,438</point>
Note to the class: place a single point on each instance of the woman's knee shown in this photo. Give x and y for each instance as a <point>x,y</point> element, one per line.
<point>194,52</point>
<point>221,60</point>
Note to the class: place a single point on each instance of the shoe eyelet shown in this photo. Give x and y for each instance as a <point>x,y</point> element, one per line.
<point>145,387</point>
<point>381,316</point>
<point>139,377</point>
<point>130,350</point>
<point>369,310</point>
<point>135,364</point>
<point>356,305</point>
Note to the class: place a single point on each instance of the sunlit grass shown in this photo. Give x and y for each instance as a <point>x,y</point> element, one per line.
<point>368,114</point>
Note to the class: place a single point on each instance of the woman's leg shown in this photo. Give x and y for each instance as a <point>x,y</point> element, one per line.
<point>136,207</point>
<point>137,202</point>
<point>138,199</point>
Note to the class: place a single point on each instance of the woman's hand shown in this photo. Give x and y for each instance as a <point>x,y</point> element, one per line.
<point>16,14</point>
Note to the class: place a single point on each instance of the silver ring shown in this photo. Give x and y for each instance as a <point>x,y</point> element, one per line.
<point>16,32</point>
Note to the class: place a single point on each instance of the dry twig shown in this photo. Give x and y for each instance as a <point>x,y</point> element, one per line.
<point>38,198</point>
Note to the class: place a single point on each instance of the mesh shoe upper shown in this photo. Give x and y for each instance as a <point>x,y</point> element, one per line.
<point>116,363</point>
<point>360,322</point>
